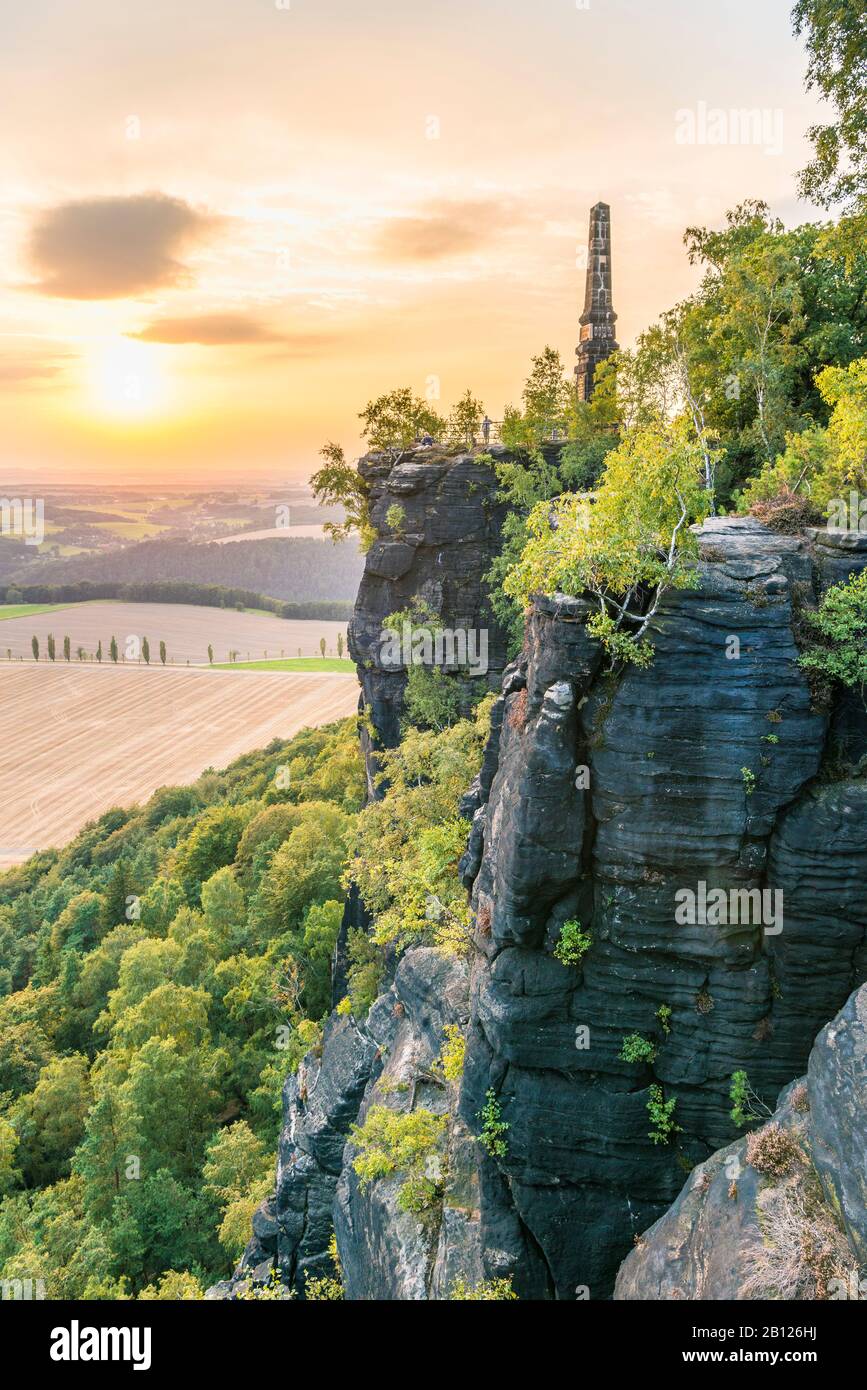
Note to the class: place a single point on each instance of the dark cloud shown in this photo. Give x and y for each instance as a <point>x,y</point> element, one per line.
<point>226,330</point>
<point>440,230</point>
<point>109,248</point>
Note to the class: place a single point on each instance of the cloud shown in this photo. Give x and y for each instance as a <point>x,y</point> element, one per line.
<point>209,330</point>
<point>111,248</point>
<point>227,330</point>
<point>13,373</point>
<point>30,363</point>
<point>441,230</point>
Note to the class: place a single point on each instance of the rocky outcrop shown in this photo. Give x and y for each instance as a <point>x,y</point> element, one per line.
<point>292,1229</point>
<point>611,797</point>
<point>388,1253</point>
<point>438,551</point>
<point>783,1212</point>
<point>607,804</point>
<point>837,1082</point>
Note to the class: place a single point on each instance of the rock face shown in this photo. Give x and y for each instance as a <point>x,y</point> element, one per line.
<point>609,799</point>
<point>439,552</point>
<point>387,1253</point>
<point>772,1217</point>
<point>837,1079</point>
<point>617,803</point>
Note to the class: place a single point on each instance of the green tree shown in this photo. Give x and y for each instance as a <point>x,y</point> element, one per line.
<point>836,39</point>
<point>174,1092</point>
<point>157,1224</point>
<point>102,1159</point>
<point>160,904</point>
<point>237,1174</point>
<point>67,649</point>
<point>163,653</point>
<point>322,646</point>
<point>112,649</point>
<point>146,650</point>
<point>97,977</point>
<point>174,1287</point>
<point>338,483</point>
<point>211,844</point>
<point>51,645</point>
<point>24,1051</point>
<point>548,401</point>
<point>393,422</point>
<point>824,464</point>
<point>171,1011</point>
<point>340,644</point>
<point>305,869</point>
<point>117,892</point>
<point>542,467</point>
<point>406,845</point>
<point>841,625</point>
<point>313,949</point>
<point>10,1175</point>
<point>34,647</point>
<point>225,911</point>
<point>465,421</point>
<point>176,1012</point>
<point>144,966</point>
<point>50,1119</point>
<point>210,654</point>
<point>635,537</point>
<point>99,650</point>
<point>773,309</point>
<point>79,926</point>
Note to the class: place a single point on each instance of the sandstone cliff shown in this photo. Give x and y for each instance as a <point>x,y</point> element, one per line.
<point>782,1213</point>
<point>439,553</point>
<point>601,797</point>
<point>668,805</point>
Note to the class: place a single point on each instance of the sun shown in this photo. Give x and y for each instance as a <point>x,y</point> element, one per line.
<point>126,379</point>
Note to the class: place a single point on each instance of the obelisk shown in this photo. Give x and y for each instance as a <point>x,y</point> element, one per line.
<point>596,336</point>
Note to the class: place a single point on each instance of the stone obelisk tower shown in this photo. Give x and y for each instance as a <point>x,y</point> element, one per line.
<point>596,337</point>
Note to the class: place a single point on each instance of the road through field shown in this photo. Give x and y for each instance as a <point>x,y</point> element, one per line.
<point>79,739</point>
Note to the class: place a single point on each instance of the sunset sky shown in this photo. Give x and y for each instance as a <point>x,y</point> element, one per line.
<point>226,224</point>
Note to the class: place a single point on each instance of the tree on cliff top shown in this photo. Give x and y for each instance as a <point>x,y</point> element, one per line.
<point>836,35</point>
<point>339,482</point>
<point>742,355</point>
<point>465,421</point>
<point>824,465</point>
<point>631,544</point>
<point>395,421</point>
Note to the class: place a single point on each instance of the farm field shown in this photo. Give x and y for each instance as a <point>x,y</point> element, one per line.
<point>303,663</point>
<point>28,610</point>
<point>186,629</point>
<point>82,738</point>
